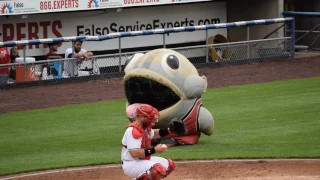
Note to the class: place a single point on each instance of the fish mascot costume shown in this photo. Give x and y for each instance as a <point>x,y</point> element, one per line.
<point>168,81</point>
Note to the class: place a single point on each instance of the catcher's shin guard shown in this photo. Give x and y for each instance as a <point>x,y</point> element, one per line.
<point>156,172</point>
<point>171,167</point>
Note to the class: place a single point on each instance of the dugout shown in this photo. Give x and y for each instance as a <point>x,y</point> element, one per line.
<point>246,10</point>
<point>306,23</point>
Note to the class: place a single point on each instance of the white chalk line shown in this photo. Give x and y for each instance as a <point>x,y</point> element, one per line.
<point>267,177</point>
<point>177,162</point>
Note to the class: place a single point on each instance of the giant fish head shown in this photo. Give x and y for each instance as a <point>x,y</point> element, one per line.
<point>162,78</point>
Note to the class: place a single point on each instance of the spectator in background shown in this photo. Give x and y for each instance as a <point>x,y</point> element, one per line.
<point>72,67</point>
<point>14,53</point>
<point>52,54</point>
<point>4,59</point>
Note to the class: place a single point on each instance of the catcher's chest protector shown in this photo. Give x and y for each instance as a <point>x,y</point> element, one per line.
<point>138,132</point>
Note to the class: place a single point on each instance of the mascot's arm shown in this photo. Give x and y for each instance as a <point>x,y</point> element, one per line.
<point>156,134</point>
<point>175,126</point>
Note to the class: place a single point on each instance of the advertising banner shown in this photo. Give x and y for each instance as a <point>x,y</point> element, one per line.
<point>15,7</point>
<point>95,24</point>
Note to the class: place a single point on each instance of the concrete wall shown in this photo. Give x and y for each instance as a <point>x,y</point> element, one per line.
<point>246,10</point>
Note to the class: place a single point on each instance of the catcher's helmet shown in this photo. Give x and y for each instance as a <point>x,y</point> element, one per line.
<point>148,111</point>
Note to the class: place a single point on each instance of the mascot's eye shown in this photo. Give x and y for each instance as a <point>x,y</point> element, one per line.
<point>173,61</point>
<point>170,64</point>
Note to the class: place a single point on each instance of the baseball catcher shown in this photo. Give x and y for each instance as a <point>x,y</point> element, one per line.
<point>137,157</point>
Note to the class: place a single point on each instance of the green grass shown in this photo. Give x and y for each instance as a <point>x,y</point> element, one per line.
<point>269,120</point>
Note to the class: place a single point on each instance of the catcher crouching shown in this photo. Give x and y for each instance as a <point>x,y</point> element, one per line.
<point>137,157</point>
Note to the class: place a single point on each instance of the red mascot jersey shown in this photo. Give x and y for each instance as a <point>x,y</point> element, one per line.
<point>191,122</point>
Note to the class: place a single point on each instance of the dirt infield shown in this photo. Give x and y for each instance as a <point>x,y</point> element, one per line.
<point>77,93</point>
<point>283,169</point>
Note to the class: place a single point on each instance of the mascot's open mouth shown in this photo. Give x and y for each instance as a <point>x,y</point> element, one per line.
<point>143,90</point>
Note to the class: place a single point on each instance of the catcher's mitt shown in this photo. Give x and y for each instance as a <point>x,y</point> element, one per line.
<point>177,126</point>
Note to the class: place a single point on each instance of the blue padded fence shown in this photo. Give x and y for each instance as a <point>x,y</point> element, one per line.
<point>306,14</point>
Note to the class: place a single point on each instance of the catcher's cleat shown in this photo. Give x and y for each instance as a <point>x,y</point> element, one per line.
<point>156,172</point>
<point>143,176</point>
<point>171,167</point>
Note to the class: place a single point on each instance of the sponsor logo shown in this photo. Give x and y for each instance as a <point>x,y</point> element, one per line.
<point>260,21</point>
<point>178,29</point>
<point>46,40</point>
<point>240,23</point>
<point>139,1</point>
<point>22,42</point>
<point>18,5</point>
<point>158,31</point>
<point>135,33</point>
<point>115,35</point>
<point>200,27</point>
<point>71,38</point>
<point>222,25</point>
<point>6,8</point>
<point>58,4</point>
<point>279,20</point>
<point>93,3</point>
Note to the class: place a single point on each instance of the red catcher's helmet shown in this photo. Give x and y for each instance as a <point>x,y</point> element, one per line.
<point>148,111</point>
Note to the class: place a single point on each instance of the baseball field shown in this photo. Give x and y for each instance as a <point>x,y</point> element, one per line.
<point>267,125</point>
